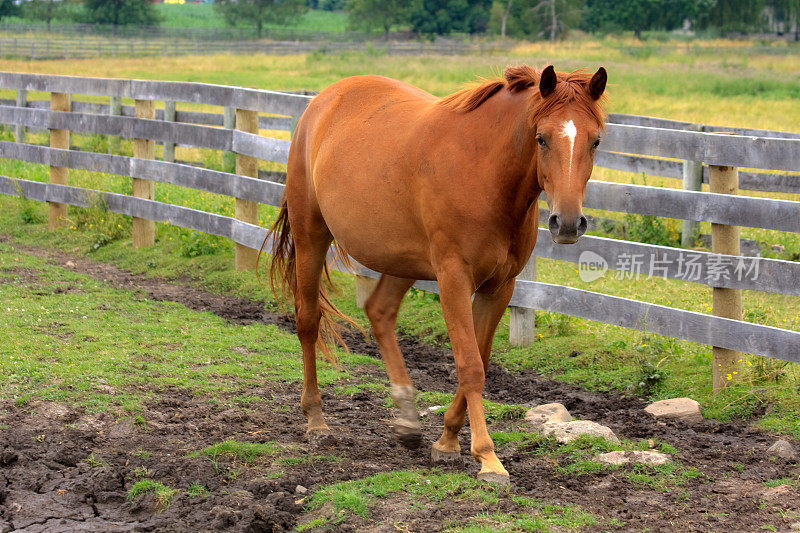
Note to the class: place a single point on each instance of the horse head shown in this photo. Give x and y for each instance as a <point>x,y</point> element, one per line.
<point>567,119</point>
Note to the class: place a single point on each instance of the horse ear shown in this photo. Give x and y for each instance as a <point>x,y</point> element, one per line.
<point>547,81</point>
<point>598,83</point>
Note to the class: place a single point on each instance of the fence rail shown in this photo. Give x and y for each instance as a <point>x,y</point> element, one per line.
<point>624,142</point>
<point>79,48</point>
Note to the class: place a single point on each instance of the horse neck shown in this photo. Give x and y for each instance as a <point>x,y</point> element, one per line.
<point>508,138</point>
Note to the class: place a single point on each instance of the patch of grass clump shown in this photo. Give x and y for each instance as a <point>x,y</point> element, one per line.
<point>162,493</point>
<point>247,452</point>
<point>354,498</point>
<point>94,461</point>
<point>197,490</point>
<point>493,410</point>
<point>196,244</point>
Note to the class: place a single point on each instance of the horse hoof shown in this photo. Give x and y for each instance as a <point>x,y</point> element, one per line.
<point>320,437</point>
<point>409,435</point>
<point>440,457</point>
<point>495,478</point>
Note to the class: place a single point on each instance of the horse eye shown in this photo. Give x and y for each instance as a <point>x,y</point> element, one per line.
<point>595,144</point>
<point>541,141</point>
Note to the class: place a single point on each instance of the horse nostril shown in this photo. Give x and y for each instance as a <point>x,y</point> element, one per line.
<point>554,224</point>
<point>583,224</point>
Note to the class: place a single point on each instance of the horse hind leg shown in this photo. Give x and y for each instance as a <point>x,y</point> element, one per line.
<point>381,308</point>
<point>311,250</point>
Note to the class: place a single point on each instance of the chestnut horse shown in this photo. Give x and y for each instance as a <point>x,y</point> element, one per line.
<point>421,188</point>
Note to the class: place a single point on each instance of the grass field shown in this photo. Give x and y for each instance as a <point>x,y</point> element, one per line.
<point>205,16</point>
<point>717,82</point>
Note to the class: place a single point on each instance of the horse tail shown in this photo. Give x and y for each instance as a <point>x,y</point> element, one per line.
<point>283,276</point>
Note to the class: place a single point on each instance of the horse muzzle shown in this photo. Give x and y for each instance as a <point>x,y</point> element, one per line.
<point>566,230</point>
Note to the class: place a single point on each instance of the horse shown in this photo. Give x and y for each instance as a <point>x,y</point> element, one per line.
<point>417,187</point>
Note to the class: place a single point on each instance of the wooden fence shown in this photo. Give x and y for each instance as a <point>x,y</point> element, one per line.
<point>92,47</point>
<point>631,143</point>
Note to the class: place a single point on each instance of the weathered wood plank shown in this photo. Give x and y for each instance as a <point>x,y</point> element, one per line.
<point>59,138</point>
<point>276,123</point>
<point>654,122</point>
<point>144,231</point>
<point>662,320</point>
<point>245,258</point>
<point>711,148</point>
<point>751,181</point>
<point>748,211</point>
<point>267,148</point>
<point>253,99</point>
<point>257,190</point>
<point>633,260</point>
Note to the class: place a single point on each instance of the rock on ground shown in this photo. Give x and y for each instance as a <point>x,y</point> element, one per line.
<point>566,432</point>
<point>784,450</point>
<point>550,412</point>
<point>684,409</point>
<point>645,457</point>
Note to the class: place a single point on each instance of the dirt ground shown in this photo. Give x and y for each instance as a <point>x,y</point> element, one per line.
<point>46,484</point>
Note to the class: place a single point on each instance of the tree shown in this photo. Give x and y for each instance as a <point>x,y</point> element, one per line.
<point>369,14</point>
<point>440,17</point>
<point>535,18</point>
<point>47,10</point>
<point>639,15</point>
<point>7,8</point>
<point>732,15</point>
<point>260,12</point>
<point>121,12</point>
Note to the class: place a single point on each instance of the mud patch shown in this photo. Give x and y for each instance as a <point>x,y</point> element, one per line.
<point>63,469</point>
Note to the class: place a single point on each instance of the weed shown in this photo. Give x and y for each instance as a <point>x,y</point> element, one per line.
<point>247,452</point>
<point>559,324</point>
<point>293,461</point>
<point>197,490</point>
<point>142,453</point>
<point>493,410</point>
<point>196,244</point>
<point>792,482</point>
<point>162,493</point>
<point>94,461</point>
<point>142,471</point>
<point>30,212</point>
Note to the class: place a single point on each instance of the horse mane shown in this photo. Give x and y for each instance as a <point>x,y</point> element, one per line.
<point>571,87</point>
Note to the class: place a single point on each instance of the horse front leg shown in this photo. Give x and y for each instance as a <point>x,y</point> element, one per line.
<point>455,289</point>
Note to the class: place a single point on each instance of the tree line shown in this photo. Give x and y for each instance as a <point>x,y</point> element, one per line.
<point>530,19</point>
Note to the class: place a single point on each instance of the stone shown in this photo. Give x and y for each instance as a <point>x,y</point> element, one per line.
<point>645,457</point>
<point>550,412</point>
<point>300,489</point>
<point>566,432</point>
<point>783,450</point>
<point>684,409</point>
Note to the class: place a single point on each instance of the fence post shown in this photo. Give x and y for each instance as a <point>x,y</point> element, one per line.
<point>19,129</point>
<point>522,330</point>
<point>114,108</point>
<point>170,113</point>
<point>727,302</point>
<point>229,123</point>
<point>692,181</point>
<point>59,175</point>
<point>144,231</point>
<point>246,210</point>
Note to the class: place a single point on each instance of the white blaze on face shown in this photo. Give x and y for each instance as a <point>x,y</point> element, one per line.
<point>569,131</point>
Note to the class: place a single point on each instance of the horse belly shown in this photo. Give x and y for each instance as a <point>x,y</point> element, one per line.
<point>375,224</point>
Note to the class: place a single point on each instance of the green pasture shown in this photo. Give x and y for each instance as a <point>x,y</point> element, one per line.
<point>716,82</point>
<point>205,16</point>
